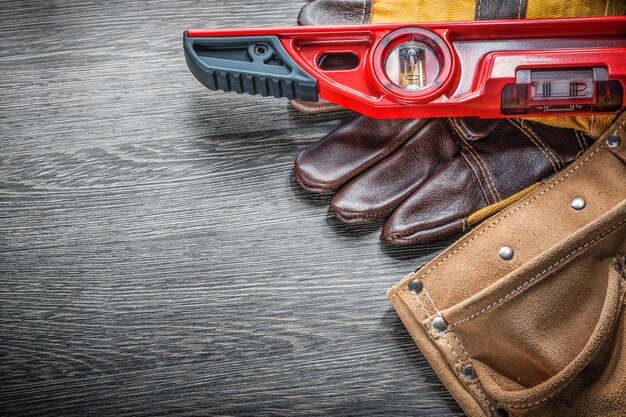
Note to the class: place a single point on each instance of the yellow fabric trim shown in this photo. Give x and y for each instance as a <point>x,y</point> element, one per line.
<point>488,211</point>
<point>397,11</point>
<point>392,11</point>
<point>576,8</point>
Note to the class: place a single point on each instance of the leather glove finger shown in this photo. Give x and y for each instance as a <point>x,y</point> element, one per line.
<point>484,177</point>
<point>380,189</point>
<point>352,148</point>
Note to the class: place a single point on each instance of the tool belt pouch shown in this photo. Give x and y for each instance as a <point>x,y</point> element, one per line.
<point>525,314</point>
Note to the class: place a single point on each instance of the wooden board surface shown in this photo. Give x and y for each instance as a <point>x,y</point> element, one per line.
<point>156,254</point>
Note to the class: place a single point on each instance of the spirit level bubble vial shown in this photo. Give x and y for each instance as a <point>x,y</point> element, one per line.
<point>489,69</point>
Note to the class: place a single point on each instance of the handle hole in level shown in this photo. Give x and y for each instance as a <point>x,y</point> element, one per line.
<point>338,61</point>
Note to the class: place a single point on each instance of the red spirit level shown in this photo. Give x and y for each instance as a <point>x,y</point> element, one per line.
<point>498,68</point>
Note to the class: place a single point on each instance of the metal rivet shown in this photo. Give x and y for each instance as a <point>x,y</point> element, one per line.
<point>468,371</point>
<point>416,286</point>
<point>579,203</point>
<point>613,141</point>
<point>439,323</point>
<point>506,253</point>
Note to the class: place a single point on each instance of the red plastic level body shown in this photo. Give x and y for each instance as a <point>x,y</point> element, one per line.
<point>490,69</point>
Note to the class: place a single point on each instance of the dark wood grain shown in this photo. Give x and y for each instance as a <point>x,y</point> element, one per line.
<point>156,255</point>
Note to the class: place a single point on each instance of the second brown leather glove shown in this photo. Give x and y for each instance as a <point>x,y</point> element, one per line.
<point>433,178</point>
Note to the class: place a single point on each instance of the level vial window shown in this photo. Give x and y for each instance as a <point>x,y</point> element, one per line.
<point>560,84</point>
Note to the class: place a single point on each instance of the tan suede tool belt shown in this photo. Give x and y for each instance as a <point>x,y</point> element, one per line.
<point>525,314</point>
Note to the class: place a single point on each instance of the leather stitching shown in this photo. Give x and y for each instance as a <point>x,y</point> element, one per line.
<point>432,301</point>
<point>461,345</point>
<point>468,146</point>
<point>443,335</point>
<point>534,278</point>
<point>538,143</point>
<point>480,176</point>
<point>539,147</point>
<point>556,156</point>
<point>581,143</point>
<point>478,384</point>
<point>428,315</point>
<point>447,341</point>
<point>519,10</point>
<point>482,181</point>
<point>422,306</point>
<point>482,162</point>
<point>474,155</point>
<point>458,359</point>
<point>484,395</point>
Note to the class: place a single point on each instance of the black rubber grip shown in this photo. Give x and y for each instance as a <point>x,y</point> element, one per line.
<point>248,64</point>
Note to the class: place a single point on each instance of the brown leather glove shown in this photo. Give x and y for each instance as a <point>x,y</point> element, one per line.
<point>526,314</point>
<point>432,178</point>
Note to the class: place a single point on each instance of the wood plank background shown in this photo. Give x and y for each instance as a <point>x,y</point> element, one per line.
<point>156,254</point>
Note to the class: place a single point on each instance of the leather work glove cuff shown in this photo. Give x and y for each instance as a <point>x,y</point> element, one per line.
<point>525,314</point>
